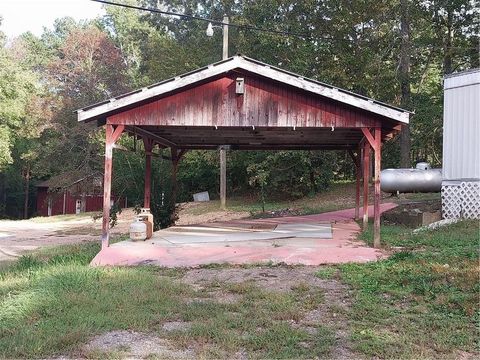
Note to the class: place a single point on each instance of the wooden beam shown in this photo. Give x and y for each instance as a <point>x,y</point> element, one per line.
<point>366,176</point>
<point>145,133</point>
<point>376,204</point>
<point>117,133</point>
<point>358,171</point>
<point>368,135</point>
<point>111,135</point>
<point>147,194</point>
<point>268,147</point>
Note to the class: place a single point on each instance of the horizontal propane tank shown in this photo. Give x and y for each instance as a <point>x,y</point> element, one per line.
<point>421,179</point>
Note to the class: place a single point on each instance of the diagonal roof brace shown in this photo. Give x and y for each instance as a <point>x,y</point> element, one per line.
<point>145,133</point>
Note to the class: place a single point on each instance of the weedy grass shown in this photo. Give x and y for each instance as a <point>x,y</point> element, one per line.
<point>48,307</point>
<point>339,196</point>
<point>52,302</point>
<point>422,301</point>
<point>66,217</point>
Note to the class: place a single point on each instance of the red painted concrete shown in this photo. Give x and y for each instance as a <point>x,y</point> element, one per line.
<point>342,248</point>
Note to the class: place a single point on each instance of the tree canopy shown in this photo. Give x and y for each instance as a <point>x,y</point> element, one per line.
<point>396,51</point>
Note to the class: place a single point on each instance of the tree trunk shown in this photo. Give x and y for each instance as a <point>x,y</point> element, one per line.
<point>83,206</point>
<point>475,52</point>
<point>404,76</point>
<point>27,187</point>
<point>3,195</point>
<point>176,156</point>
<point>174,181</point>
<point>447,58</point>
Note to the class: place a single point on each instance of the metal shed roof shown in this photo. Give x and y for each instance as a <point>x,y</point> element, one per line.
<point>103,109</point>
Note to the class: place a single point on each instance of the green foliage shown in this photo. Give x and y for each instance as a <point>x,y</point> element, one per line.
<point>18,85</point>
<point>423,299</point>
<point>198,171</point>
<point>259,177</point>
<point>163,209</point>
<point>355,46</point>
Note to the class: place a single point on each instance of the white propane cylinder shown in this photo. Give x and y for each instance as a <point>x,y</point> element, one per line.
<point>138,230</point>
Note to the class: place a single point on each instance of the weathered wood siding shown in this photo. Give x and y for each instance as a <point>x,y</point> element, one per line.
<point>264,104</point>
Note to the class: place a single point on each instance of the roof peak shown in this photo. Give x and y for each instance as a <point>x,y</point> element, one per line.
<point>272,72</point>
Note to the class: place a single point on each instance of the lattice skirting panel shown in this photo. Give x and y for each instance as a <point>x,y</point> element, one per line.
<point>461,201</point>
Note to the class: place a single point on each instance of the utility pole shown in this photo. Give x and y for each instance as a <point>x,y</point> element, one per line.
<point>223,151</point>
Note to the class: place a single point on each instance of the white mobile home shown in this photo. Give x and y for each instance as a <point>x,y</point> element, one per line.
<point>461,146</point>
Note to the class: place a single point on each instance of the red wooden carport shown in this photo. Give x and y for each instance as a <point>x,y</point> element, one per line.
<point>243,104</point>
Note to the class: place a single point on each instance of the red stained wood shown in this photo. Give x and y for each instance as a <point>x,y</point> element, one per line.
<point>366,176</point>
<point>368,135</point>
<point>148,144</point>
<point>357,162</point>
<point>111,136</point>
<point>376,204</point>
<point>265,103</point>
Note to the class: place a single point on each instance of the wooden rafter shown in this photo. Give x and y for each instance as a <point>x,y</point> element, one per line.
<point>145,133</point>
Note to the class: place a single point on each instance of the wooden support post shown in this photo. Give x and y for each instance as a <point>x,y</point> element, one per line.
<point>366,176</point>
<point>223,178</point>
<point>147,195</point>
<point>357,162</point>
<point>111,136</point>
<point>358,172</point>
<point>376,204</point>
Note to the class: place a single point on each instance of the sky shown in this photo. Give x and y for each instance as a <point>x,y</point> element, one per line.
<point>20,16</point>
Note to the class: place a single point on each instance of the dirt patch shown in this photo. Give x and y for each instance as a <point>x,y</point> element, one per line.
<point>18,237</point>
<point>332,312</point>
<point>278,213</point>
<point>134,345</point>
<point>80,230</point>
<point>268,278</point>
<point>176,326</point>
<point>188,217</point>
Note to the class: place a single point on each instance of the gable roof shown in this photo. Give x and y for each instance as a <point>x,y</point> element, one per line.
<point>117,104</point>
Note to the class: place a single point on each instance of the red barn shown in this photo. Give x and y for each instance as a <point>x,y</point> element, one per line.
<point>58,195</point>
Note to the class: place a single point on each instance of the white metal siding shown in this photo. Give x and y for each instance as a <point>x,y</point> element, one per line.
<point>461,127</point>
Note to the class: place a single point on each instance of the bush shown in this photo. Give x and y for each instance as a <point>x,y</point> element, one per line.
<point>163,209</point>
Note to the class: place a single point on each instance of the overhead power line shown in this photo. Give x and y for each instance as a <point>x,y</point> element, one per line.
<point>240,26</point>
<point>216,22</point>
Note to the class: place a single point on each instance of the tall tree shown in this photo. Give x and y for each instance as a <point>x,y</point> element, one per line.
<point>87,68</point>
<point>404,76</point>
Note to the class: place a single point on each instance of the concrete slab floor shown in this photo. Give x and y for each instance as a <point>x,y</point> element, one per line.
<point>328,238</point>
<point>205,234</point>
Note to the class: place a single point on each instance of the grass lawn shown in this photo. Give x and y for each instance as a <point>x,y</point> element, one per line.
<point>66,217</point>
<point>420,303</point>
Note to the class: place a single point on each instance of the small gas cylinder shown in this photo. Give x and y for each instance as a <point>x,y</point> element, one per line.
<point>138,230</point>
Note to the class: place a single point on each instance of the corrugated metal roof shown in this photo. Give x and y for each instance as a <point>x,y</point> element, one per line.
<point>464,78</point>
<point>116,104</point>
